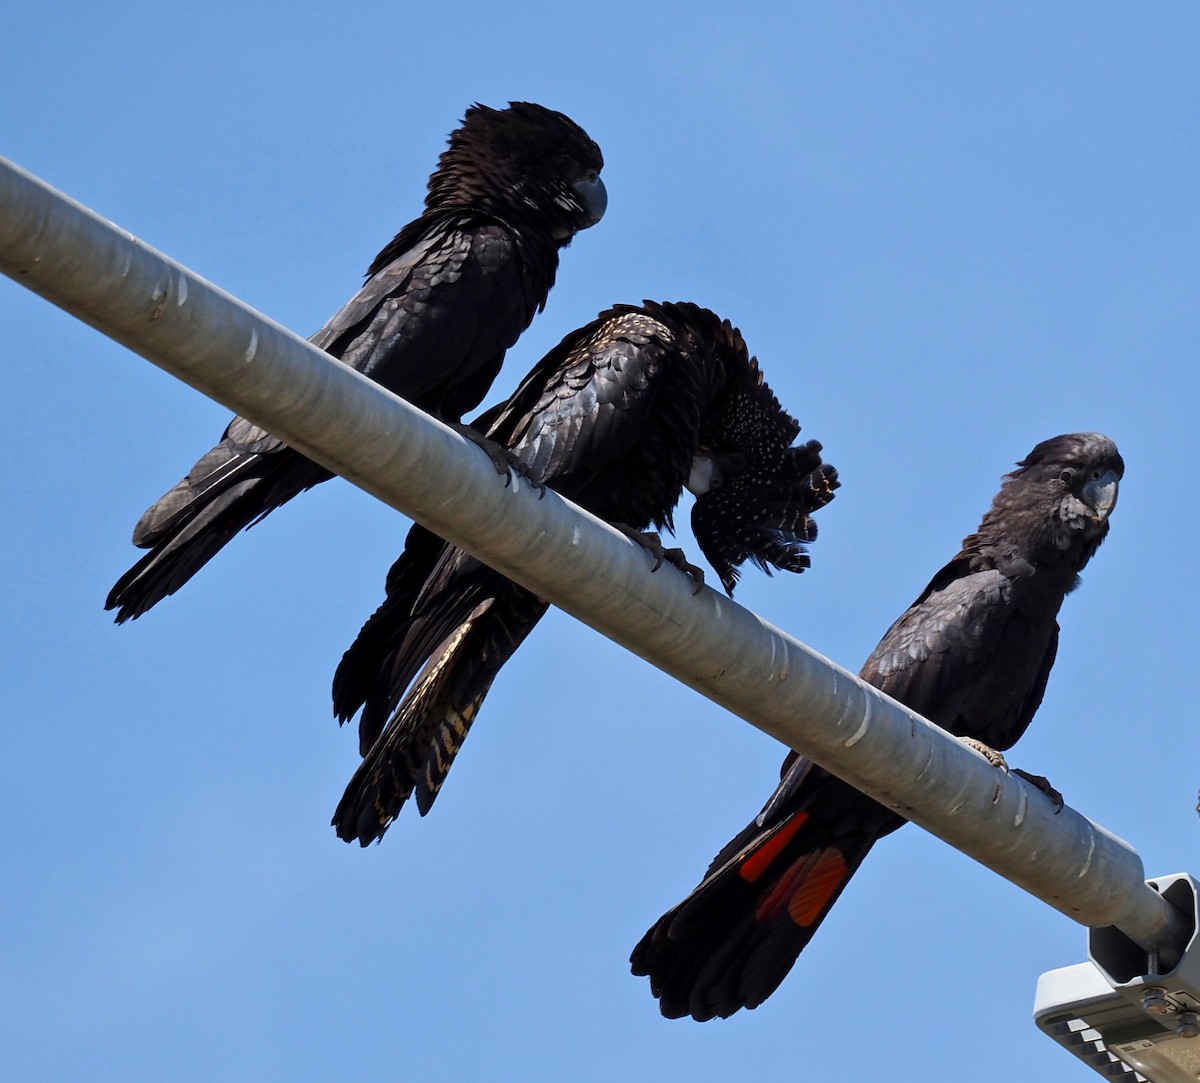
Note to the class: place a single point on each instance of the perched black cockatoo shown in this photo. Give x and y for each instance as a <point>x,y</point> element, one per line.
<point>972,654</point>
<point>618,417</point>
<point>441,305</point>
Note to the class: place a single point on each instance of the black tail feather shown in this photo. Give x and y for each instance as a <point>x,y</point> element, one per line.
<point>226,492</point>
<point>415,750</point>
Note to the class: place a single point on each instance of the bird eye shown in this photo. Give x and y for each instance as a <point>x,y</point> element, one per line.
<point>592,176</point>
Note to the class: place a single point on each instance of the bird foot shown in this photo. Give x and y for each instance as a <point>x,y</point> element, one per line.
<point>1040,782</point>
<point>996,759</point>
<point>505,462</point>
<point>652,543</point>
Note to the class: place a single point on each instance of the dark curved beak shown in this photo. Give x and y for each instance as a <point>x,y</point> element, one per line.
<point>594,197</point>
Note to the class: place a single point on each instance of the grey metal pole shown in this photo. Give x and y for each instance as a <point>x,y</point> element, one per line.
<point>222,347</point>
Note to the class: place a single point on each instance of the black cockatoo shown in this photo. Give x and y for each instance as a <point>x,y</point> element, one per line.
<point>972,654</point>
<point>441,305</point>
<point>618,417</point>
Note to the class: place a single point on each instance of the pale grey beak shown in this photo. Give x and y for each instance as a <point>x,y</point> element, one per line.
<point>1100,494</point>
<point>593,195</point>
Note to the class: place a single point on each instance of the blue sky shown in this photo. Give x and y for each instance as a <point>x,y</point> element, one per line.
<point>947,231</point>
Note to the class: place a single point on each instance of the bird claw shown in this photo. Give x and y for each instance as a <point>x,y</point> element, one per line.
<point>499,457</point>
<point>652,543</point>
<point>516,468</point>
<point>519,470</point>
<point>506,463</point>
<point>1038,782</point>
<point>996,759</point>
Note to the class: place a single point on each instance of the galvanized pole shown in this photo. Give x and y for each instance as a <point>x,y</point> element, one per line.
<point>225,349</point>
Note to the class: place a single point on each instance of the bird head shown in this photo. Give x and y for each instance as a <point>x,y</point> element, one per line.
<point>523,164</point>
<point>1080,474</point>
<point>1052,512</point>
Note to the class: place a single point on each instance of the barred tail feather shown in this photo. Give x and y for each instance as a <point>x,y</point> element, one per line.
<point>415,751</point>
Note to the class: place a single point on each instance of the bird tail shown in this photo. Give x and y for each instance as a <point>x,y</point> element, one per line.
<point>731,942</point>
<point>386,655</point>
<point>417,746</point>
<point>763,511</point>
<point>247,475</point>
<point>779,534</point>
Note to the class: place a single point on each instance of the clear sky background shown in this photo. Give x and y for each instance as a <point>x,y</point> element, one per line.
<point>948,231</point>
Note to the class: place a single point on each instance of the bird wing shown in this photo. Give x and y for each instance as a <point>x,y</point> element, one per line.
<point>586,402</point>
